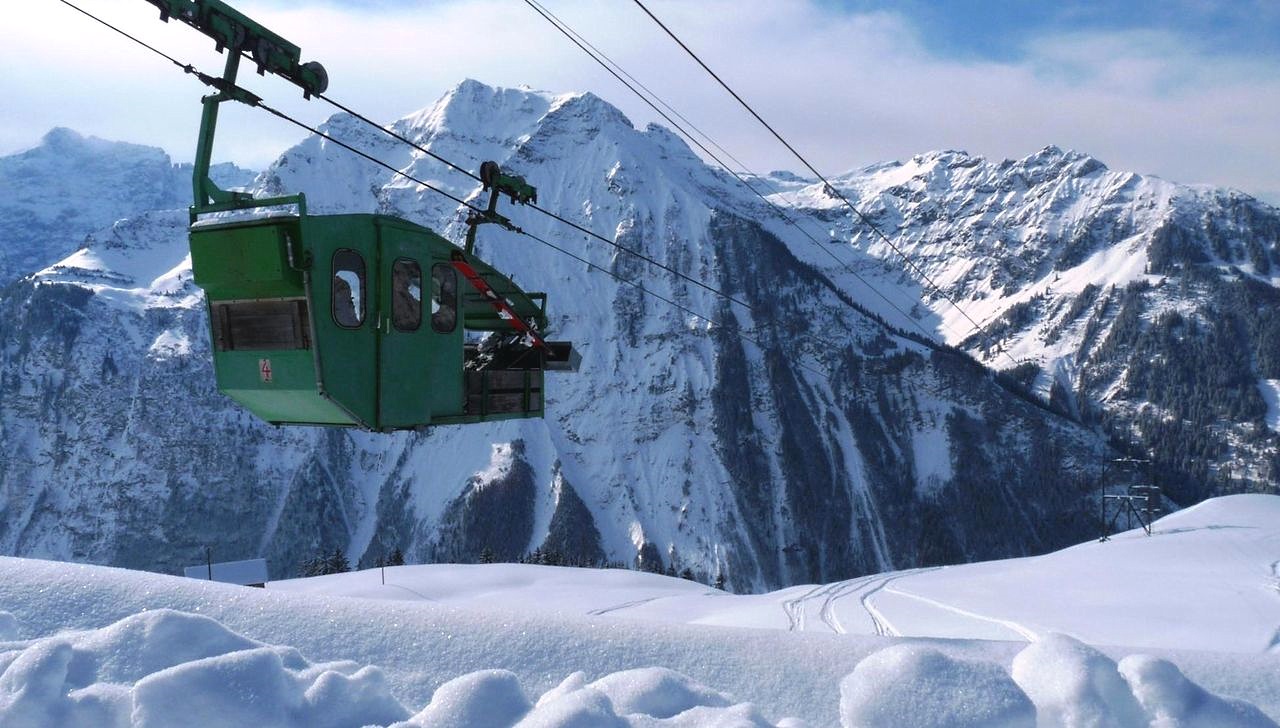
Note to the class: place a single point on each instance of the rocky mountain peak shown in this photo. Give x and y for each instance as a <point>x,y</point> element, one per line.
<point>946,158</point>
<point>590,108</point>
<point>63,143</point>
<point>1053,161</point>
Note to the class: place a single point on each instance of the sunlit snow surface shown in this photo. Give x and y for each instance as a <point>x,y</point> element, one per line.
<point>1179,629</point>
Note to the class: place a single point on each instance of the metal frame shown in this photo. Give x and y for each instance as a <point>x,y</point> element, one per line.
<point>240,37</point>
<point>1140,503</point>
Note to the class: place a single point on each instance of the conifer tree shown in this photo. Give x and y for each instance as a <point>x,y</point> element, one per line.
<point>337,562</point>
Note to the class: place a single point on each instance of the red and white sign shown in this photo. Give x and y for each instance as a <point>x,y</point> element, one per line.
<point>264,368</point>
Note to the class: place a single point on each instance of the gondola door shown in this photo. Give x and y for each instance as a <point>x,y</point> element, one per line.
<point>403,330</point>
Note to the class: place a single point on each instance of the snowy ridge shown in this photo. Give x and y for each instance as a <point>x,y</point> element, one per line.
<point>70,186</point>
<point>1117,293</point>
<point>677,446</point>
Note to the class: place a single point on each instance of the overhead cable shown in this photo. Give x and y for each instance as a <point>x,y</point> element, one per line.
<point>258,103</point>
<point>609,65</point>
<point>828,187</point>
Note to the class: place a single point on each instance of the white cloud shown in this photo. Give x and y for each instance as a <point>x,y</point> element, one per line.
<point>846,89</point>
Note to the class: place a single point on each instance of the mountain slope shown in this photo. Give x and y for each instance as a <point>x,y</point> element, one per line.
<point>68,186</point>
<point>820,446</point>
<point>1149,306</point>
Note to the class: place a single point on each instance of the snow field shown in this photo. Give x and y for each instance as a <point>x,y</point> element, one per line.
<point>507,644</point>
<point>417,647</point>
<point>1205,580</point>
<point>165,668</point>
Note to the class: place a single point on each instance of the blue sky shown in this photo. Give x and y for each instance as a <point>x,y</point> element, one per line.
<point>1184,89</point>
<point>1000,29</point>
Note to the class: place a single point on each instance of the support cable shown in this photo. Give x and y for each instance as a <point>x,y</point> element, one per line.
<point>533,205</point>
<point>399,137</point>
<point>828,187</point>
<point>563,26</point>
<point>215,82</point>
<point>746,336</point>
<point>612,243</point>
<point>258,103</point>
<point>609,64</point>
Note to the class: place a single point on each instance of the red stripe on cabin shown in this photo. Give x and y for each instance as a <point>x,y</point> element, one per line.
<point>498,302</point>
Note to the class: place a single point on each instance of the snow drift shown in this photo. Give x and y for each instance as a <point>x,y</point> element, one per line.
<point>164,668</point>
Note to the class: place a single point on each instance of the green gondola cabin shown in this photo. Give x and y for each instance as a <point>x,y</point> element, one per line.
<point>354,320</point>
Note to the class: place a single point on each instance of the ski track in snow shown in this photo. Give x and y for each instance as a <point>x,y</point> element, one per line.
<point>1027,634</point>
<point>863,587</point>
<point>794,608</point>
<point>881,623</point>
<point>417,594</point>
<point>862,584</point>
<point>624,605</point>
<point>828,612</point>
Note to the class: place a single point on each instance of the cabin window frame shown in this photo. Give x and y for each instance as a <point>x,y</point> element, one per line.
<point>401,290</point>
<point>438,306</point>
<point>361,310</point>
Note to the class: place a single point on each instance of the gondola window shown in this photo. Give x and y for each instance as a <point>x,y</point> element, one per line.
<point>444,298</point>
<point>348,288</point>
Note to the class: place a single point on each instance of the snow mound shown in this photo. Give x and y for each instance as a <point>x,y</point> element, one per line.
<point>657,691</point>
<point>638,697</point>
<point>1073,684</point>
<point>1172,701</point>
<point>166,668</point>
<point>484,697</point>
<point>915,685</point>
<point>582,708</point>
<point>261,687</point>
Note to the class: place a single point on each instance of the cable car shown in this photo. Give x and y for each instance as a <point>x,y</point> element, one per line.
<point>354,320</point>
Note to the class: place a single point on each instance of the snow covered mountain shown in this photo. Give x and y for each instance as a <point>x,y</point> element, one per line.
<point>1150,306</point>
<point>825,447</point>
<point>69,186</point>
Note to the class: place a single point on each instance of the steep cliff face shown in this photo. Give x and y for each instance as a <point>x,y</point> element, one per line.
<point>798,440</point>
<point>1149,306</point>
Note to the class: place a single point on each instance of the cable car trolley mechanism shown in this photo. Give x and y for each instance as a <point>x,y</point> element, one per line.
<point>353,320</point>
